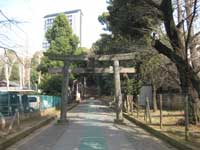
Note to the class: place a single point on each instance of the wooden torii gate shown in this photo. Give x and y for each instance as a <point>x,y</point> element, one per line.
<point>117,70</point>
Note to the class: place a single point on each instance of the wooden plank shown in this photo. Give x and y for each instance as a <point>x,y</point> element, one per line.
<point>92,70</point>
<point>125,56</point>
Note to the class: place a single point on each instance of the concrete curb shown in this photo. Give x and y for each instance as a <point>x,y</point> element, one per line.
<point>10,140</point>
<point>160,135</point>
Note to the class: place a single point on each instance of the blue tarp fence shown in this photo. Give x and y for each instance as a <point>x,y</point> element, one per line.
<point>49,101</point>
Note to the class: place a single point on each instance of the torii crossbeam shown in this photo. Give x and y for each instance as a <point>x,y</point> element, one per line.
<point>116,70</point>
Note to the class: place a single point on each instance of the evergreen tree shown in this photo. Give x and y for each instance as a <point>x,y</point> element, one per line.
<point>60,37</point>
<point>138,19</point>
<point>62,41</point>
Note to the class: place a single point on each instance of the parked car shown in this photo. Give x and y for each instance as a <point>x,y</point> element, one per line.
<point>34,102</point>
<point>10,101</point>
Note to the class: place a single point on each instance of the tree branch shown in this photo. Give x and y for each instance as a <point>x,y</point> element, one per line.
<point>171,29</point>
<point>180,63</point>
<point>173,76</point>
<point>195,37</point>
<point>190,28</point>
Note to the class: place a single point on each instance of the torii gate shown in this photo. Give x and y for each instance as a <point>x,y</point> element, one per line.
<point>117,70</point>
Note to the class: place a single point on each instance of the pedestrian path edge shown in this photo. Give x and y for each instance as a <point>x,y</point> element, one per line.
<point>164,137</point>
<point>12,139</point>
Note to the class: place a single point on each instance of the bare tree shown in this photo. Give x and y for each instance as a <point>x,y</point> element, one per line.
<point>179,50</point>
<point>9,60</point>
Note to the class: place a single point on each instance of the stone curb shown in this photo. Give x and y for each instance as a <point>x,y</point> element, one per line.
<point>10,140</point>
<point>160,135</point>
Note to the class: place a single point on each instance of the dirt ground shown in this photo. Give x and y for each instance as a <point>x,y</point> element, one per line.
<point>173,124</point>
<point>23,124</point>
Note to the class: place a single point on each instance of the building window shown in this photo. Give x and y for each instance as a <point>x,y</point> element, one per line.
<point>73,22</point>
<point>70,22</point>
<point>69,16</point>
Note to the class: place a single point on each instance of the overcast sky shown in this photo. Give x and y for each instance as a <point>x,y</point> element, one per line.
<point>31,12</point>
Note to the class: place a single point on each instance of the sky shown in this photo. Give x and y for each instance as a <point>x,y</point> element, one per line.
<point>29,34</point>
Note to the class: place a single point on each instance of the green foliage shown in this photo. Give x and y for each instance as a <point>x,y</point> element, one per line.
<point>51,85</point>
<point>106,84</point>
<point>103,19</point>
<point>35,61</point>
<point>81,51</point>
<point>134,18</point>
<point>62,41</point>
<point>131,86</point>
<point>60,37</point>
<point>151,69</point>
<point>34,77</point>
<point>157,70</point>
<point>47,63</point>
<point>102,46</point>
<point>109,44</point>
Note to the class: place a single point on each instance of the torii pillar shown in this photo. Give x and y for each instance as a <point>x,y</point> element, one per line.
<point>64,97</point>
<point>118,94</point>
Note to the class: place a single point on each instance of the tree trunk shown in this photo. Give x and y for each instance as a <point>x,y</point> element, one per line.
<point>7,76</point>
<point>189,86</point>
<point>190,82</point>
<point>155,107</point>
<point>179,12</point>
<point>20,76</point>
<point>192,45</point>
<point>195,107</point>
<point>180,26</point>
<point>130,103</point>
<point>188,8</point>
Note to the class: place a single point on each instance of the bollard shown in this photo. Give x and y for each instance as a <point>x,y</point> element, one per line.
<point>137,106</point>
<point>186,119</point>
<point>3,121</point>
<point>148,110</point>
<point>18,118</point>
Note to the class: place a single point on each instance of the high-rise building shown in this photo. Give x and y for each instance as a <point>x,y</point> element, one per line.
<point>75,20</point>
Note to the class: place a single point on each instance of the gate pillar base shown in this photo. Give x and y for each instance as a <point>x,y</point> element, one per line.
<point>119,121</point>
<point>61,122</point>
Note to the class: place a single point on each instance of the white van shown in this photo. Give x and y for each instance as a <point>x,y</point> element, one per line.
<point>34,102</point>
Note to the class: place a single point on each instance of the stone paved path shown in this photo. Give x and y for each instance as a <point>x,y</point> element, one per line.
<point>91,127</point>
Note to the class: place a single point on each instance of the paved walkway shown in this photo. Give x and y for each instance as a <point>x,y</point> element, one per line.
<point>91,127</point>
